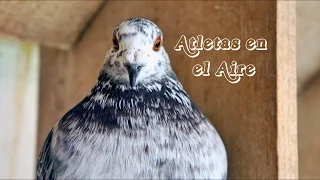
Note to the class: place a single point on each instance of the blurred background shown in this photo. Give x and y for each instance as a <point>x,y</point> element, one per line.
<point>51,53</point>
<point>308,74</point>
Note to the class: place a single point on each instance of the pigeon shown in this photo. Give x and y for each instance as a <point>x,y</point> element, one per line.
<point>137,121</point>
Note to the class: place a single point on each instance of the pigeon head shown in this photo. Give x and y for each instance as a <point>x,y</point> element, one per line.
<point>137,56</point>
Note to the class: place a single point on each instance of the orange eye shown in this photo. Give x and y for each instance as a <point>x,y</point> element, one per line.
<point>157,44</point>
<point>115,42</point>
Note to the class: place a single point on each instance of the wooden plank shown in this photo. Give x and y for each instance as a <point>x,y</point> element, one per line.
<point>52,23</point>
<point>245,114</point>
<point>286,90</point>
<point>19,74</point>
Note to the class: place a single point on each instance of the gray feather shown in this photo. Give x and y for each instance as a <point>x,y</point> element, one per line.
<point>150,131</point>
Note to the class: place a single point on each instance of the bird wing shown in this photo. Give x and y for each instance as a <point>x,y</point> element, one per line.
<point>45,163</point>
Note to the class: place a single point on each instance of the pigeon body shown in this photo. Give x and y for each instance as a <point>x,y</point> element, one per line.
<point>137,122</point>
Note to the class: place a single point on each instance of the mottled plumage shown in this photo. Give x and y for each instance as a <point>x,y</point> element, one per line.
<point>136,123</point>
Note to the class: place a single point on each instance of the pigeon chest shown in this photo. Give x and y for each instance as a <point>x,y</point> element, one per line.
<point>157,152</point>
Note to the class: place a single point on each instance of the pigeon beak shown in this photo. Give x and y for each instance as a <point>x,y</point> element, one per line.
<point>133,73</point>
<point>133,77</point>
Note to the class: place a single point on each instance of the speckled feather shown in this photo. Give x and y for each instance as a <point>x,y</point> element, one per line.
<point>149,131</point>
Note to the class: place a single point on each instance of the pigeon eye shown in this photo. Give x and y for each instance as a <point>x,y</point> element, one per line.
<point>139,68</point>
<point>115,42</point>
<point>157,44</point>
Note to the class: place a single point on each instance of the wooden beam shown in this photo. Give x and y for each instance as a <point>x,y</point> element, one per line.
<point>287,90</point>
<point>248,115</point>
<point>52,23</point>
<point>19,74</point>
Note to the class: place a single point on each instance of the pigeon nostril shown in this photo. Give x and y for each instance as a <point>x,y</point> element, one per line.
<point>139,68</point>
<point>127,66</point>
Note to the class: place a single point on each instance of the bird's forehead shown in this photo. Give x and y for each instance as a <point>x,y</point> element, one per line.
<point>137,26</point>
